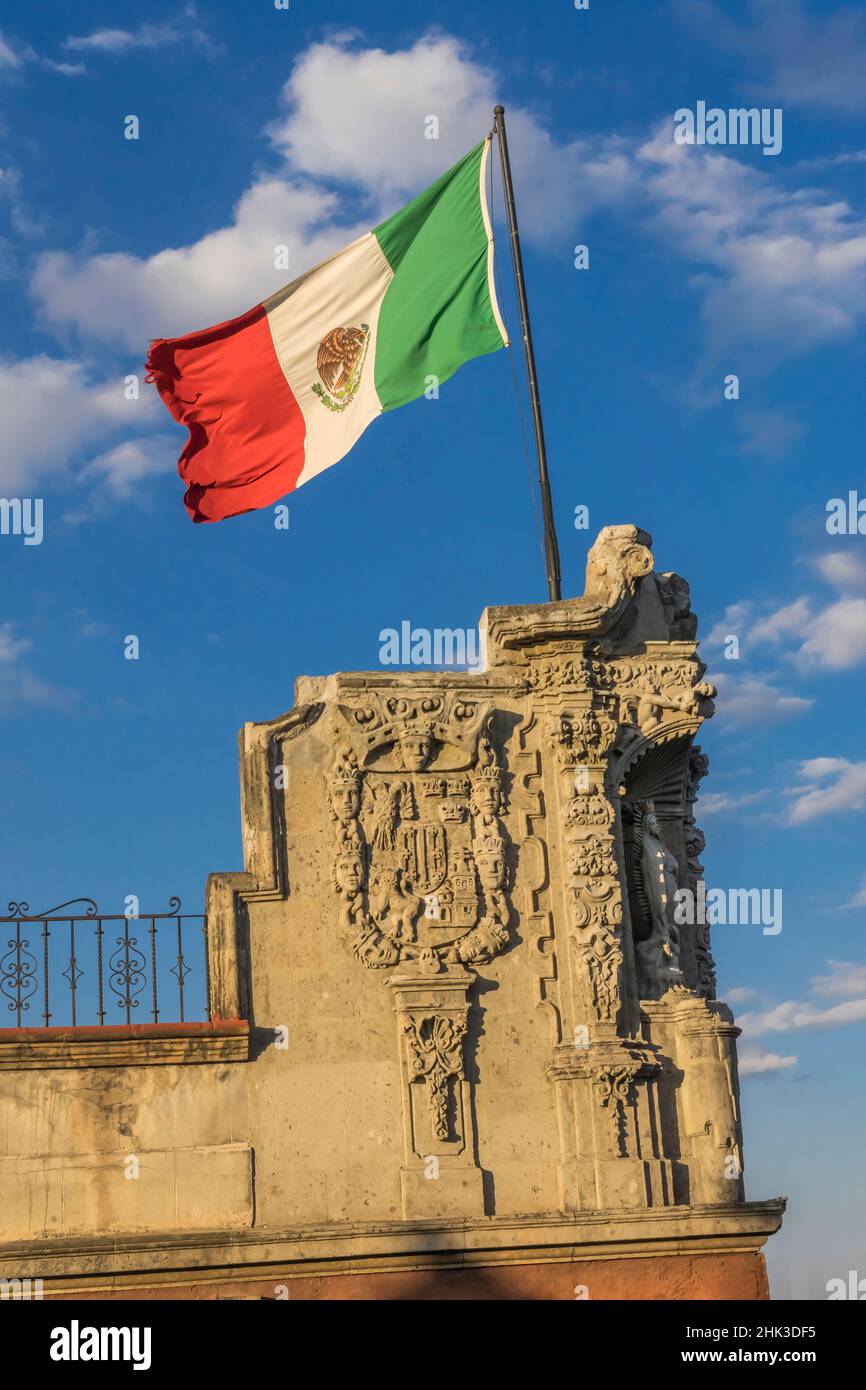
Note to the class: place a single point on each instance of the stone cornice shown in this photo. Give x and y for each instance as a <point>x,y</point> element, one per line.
<point>103,1264</point>
<point>133,1045</point>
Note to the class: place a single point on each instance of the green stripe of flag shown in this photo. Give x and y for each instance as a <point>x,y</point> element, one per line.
<point>437,312</point>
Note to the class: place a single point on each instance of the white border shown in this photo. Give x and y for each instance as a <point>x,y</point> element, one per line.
<point>485,213</point>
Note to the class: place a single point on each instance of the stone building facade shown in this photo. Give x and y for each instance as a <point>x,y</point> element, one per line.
<point>460,1045</point>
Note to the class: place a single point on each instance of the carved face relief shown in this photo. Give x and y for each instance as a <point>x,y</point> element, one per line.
<point>491,866</point>
<point>350,873</point>
<point>345,800</point>
<point>485,798</point>
<point>414,751</point>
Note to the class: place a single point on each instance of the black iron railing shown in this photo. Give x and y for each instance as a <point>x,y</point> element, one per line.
<point>79,967</point>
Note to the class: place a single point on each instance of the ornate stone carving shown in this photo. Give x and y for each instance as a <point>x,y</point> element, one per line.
<point>421,854</point>
<point>591,857</point>
<point>619,559</point>
<point>676,598</point>
<point>407,733</point>
<point>435,1048</point>
<point>651,691</point>
<point>699,766</point>
<point>614,1092</point>
<point>596,919</point>
<point>573,674</point>
<point>588,806</point>
<point>582,738</point>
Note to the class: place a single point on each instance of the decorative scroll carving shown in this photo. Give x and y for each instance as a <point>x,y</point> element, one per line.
<point>644,691</point>
<point>583,671</point>
<point>580,740</point>
<point>620,557</point>
<point>583,738</point>
<point>699,766</point>
<point>435,1051</point>
<point>588,806</point>
<point>591,857</point>
<point>614,1091</point>
<point>596,919</point>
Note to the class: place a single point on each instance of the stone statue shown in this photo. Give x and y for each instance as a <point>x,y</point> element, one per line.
<point>659,955</point>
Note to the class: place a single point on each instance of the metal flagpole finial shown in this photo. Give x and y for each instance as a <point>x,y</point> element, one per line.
<point>551,545</point>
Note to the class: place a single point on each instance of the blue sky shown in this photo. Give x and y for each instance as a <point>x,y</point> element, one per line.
<point>260,127</point>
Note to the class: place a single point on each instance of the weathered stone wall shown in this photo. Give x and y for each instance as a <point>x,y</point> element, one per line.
<point>114,1149</point>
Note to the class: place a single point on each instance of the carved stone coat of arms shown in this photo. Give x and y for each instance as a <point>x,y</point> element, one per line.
<point>420,850</point>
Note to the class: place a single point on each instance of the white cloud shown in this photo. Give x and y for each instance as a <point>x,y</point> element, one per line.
<point>832,161</point>
<point>118,473</point>
<point>791,620</point>
<point>859,898</point>
<point>360,116</point>
<point>831,638</point>
<point>745,700</point>
<point>130,299</point>
<point>740,994</point>
<point>785,262</point>
<point>122,468</point>
<point>66,69</point>
<point>120,40</point>
<point>116,41</point>
<point>831,785</point>
<point>794,1016</point>
<point>51,409</point>
<point>88,626</point>
<point>836,637</point>
<point>769,434</point>
<point>10,57</point>
<point>843,569</point>
<point>734,623</point>
<point>20,218</point>
<point>18,685</point>
<point>845,979</point>
<point>755,1062</point>
<point>844,982</point>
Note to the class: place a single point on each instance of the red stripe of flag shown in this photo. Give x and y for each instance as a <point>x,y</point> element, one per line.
<point>246,429</point>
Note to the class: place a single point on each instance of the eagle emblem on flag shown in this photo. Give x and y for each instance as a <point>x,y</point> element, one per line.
<point>339,362</point>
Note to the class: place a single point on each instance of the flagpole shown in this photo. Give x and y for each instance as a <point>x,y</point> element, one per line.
<point>551,546</point>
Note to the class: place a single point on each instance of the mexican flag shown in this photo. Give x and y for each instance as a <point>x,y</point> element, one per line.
<point>281,393</point>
